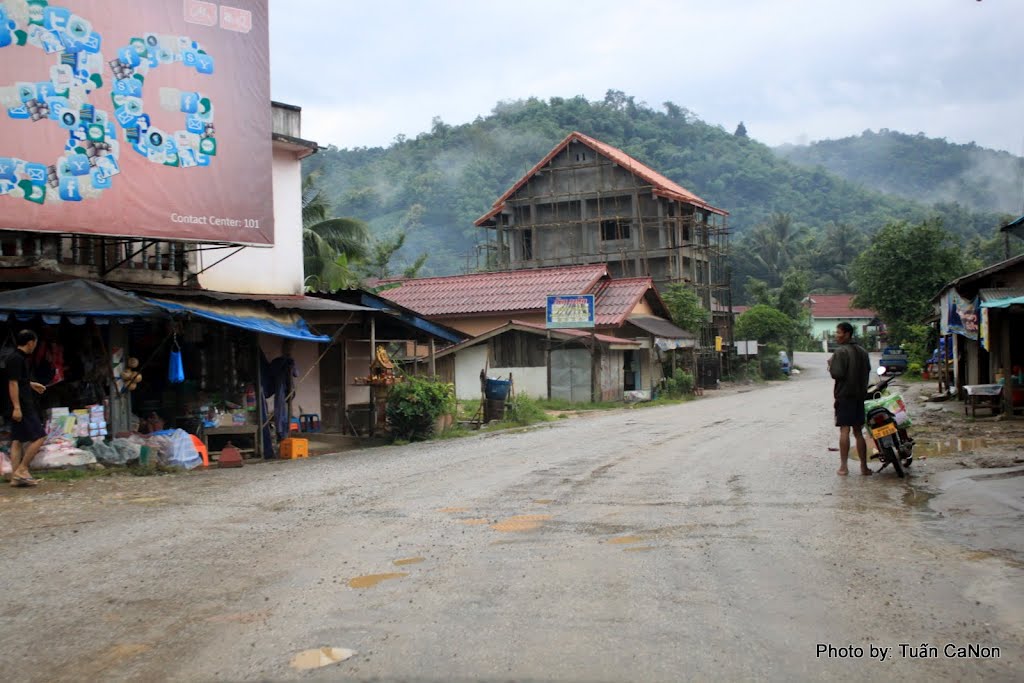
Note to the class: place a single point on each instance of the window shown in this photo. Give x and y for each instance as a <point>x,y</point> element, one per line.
<point>581,156</point>
<point>614,230</point>
<point>527,245</point>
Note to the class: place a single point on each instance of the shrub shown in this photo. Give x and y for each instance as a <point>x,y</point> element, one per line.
<point>679,384</point>
<point>768,357</point>
<point>524,410</point>
<point>914,369</point>
<point>415,404</point>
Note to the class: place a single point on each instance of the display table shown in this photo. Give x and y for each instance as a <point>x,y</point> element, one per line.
<point>248,430</point>
<point>983,396</point>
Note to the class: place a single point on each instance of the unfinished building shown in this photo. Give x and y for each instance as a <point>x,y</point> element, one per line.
<point>587,202</point>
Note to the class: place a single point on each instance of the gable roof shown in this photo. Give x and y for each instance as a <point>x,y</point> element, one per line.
<point>499,292</point>
<point>661,186</point>
<point>836,306</point>
<point>526,290</point>
<point>614,300</point>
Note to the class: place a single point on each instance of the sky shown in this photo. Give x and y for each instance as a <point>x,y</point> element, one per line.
<point>794,71</point>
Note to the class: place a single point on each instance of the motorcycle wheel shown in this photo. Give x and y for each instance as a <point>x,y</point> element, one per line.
<point>894,458</point>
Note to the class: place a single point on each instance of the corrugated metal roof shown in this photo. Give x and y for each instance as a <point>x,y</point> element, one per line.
<point>660,327</point>
<point>661,185</point>
<point>283,302</point>
<point>504,291</point>
<point>533,328</point>
<point>837,306</point>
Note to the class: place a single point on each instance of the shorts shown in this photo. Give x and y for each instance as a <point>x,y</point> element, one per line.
<point>849,412</point>
<point>28,430</point>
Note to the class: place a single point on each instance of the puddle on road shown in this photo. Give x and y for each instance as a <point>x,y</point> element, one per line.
<point>938,448</point>
<point>521,523</point>
<point>917,498</point>
<point>625,540</point>
<point>408,560</point>
<point>453,510</point>
<point>323,656</point>
<point>371,580</point>
<point>477,521</point>
<point>639,549</point>
<point>543,501</point>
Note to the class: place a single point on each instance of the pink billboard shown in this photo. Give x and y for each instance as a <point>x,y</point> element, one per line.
<point>147,118</point>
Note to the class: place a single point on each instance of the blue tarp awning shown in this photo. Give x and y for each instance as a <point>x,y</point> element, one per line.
<point>80,300</point>
<point>279,326</point>
<point>76,300</point>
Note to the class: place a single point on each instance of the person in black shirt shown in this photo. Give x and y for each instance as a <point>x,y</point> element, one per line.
<point>850,366</point>
<point>19,406</point>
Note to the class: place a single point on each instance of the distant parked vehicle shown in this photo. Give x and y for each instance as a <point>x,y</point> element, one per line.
<point>894,360</point>
<point>787,367</point>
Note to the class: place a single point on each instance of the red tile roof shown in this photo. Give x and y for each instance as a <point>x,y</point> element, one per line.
<point>662,186</point>
<point>836,306</point>
<point>526,290</point>
<point>511,290</point>
<point>614,300</point>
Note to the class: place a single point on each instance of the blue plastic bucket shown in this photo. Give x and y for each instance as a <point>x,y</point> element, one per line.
<point>497,389</point>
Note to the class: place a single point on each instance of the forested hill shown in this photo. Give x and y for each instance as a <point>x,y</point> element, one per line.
<point>923,169</point>
<point>435,185</point>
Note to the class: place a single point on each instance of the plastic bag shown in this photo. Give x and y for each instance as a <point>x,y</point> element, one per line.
<point>175,449</point>
<point>175,368</point>
<point>894,404</point>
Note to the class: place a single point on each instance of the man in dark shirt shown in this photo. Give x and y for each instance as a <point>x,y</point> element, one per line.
<point>850,366</point>
<point>19,405</point>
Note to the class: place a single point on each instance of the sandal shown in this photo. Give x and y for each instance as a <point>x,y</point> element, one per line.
<point>24,481</point>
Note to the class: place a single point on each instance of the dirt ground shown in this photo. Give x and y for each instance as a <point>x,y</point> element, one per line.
<point>949,439</point>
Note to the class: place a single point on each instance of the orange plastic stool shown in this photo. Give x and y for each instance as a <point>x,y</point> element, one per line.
<point>203,450</point>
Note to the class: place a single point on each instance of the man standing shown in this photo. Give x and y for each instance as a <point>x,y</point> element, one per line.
<point>850,366</point>
<point>27,433</point>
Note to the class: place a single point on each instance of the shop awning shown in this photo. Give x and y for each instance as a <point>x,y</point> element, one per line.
<point>250,318</point>
<point>1002,297</point>
<point>76,300</point>
<point>659,327</point>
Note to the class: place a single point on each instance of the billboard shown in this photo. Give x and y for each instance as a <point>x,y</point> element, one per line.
<point>147,118</point>
<point>571,310</point>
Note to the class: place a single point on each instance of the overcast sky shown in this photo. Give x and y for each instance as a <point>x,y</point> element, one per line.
<point>792,70</point>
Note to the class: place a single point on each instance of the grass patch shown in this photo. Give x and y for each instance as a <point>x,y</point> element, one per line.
<point>73,474</point>
<point>561,404</point>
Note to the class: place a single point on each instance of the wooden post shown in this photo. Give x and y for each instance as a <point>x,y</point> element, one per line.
<point>595,383</point>
<point>373,388</point>
<point>433,365</point>
<point>547,362</point>
<point>261,419</point>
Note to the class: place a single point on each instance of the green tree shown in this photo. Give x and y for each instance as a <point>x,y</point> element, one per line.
<point>904,267</point>
<point>741,131</point>
<point>685,307</point>
<point>329,245</point>
<point>765,324</point>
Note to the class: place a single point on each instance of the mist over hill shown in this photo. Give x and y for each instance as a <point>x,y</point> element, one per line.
<point>436,184</point>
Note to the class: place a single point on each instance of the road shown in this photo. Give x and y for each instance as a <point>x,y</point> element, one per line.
<point>709,540</point>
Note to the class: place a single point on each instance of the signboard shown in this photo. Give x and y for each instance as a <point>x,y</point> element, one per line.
<point>746,348</point>
<point>146,118</point>
<point>571,310</point>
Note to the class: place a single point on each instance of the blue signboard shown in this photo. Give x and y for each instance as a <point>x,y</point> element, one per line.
<point>570,310</point>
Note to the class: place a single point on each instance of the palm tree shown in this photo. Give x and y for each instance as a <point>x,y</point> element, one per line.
<point>330,246</point>
<point>776,245</point>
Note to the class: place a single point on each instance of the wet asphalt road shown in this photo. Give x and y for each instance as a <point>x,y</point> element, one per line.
<point>710,540</point>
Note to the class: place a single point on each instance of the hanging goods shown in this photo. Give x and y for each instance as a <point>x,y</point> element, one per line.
<point>175,368</point>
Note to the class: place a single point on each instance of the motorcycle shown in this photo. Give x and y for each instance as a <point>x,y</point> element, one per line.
<point>892,443</point>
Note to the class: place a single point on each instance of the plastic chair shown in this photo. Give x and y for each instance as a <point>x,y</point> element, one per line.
<point>309,422</point>
<point>203,450</point>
